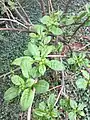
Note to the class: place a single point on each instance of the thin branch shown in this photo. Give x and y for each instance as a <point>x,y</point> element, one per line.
<point>54,88</point>
<point>79,27</point>
<point>42,7</point>
<point>56,56</point>
<point>29,114</point>
<point>24,12</point>
<point>15,21</point>
<point>8,73</point>
<point>58,96</point>
<point>51,6</point>
<point>62,90</point>
<point>67,6</point>
<point>14,29</point>
<point>7,13</point>
<point>10,13</point>
<point>29,110</point>
<point>83,47</point>
<point>20,16</point>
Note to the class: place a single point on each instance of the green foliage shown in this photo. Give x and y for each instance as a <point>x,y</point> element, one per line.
<point>55,65</point>
<point>78,61</point>
<point>46,110</point>
<point>83,83</point>
<point>35,62</point>
<point>17,80</point>
<point>27,99</point>
<point>11,93</point>
<point>73,109</point>
<point>42,86</point>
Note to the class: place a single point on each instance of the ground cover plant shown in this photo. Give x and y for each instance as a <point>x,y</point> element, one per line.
<point>49,56</point>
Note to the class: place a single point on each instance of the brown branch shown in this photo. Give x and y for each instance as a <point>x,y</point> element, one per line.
<point>8,73</point>
<point>20,16</point>
<point>42,7</point>
<point>58,96</point>
<point>55,87</point>
<point>56,56</point>
<point>67,6</point>
<point>62,88</point>
<point>14,29</point>
<point>79,27</point>
<point>50,5</point>
<point>27,17</point>
<point>15,21</point>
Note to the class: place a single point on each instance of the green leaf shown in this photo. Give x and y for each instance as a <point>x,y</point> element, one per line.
<point>39,112</point>
<point>17,80</point>
<point>47,39</point>
<point>70,20</point>
<point>81,106</point>
<point>17,61</point>
<point>42,86</point>
<point>42,106</point>
<point>51,100</point>
<point>30,82</point>
<point>33,49</point>
<point>26,66</point>
<point>34,72</point>
<point>81,83</point>
<point>71,61</point>
<point>81,15</point>
<point>87,8</point>
<point>12,4</point>
<point>54,113</point>
<point>26,52</point>
<point>33,35</point>
<point>82,113</point>
<point>39,28</point>
<point>56,30</point>
<point>45,50</point>
<point>73,104</point>
<point>87,23</point>
<point>55,65</point>
<point>42,69</point>
<point>85,74</point>
<point>62,102</point>
<point>72,116</point>
<point>60,47</point>
<point>45,20</point>
<point>27,99</point>
<point>11,93</point>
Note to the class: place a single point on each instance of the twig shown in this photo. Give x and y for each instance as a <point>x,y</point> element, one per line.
<point>15,21</point>
<point>56,56</point>
<point>67,6</point>
<point>8,73</point>
<point>14,29</point>
<point>79,27</point>
<point>42,7</point>
<point>51,6</point>
<point>86,37</point>
<point>62,88</point>
<point>20,16</point>
<point>29,110</point>
<point>6,11</point>
<point>10,13</point>
<point>83,47</point>
<point>24,12</point>
<point>29,114</point>
<point>58,96</point>
<point>54,88</point>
